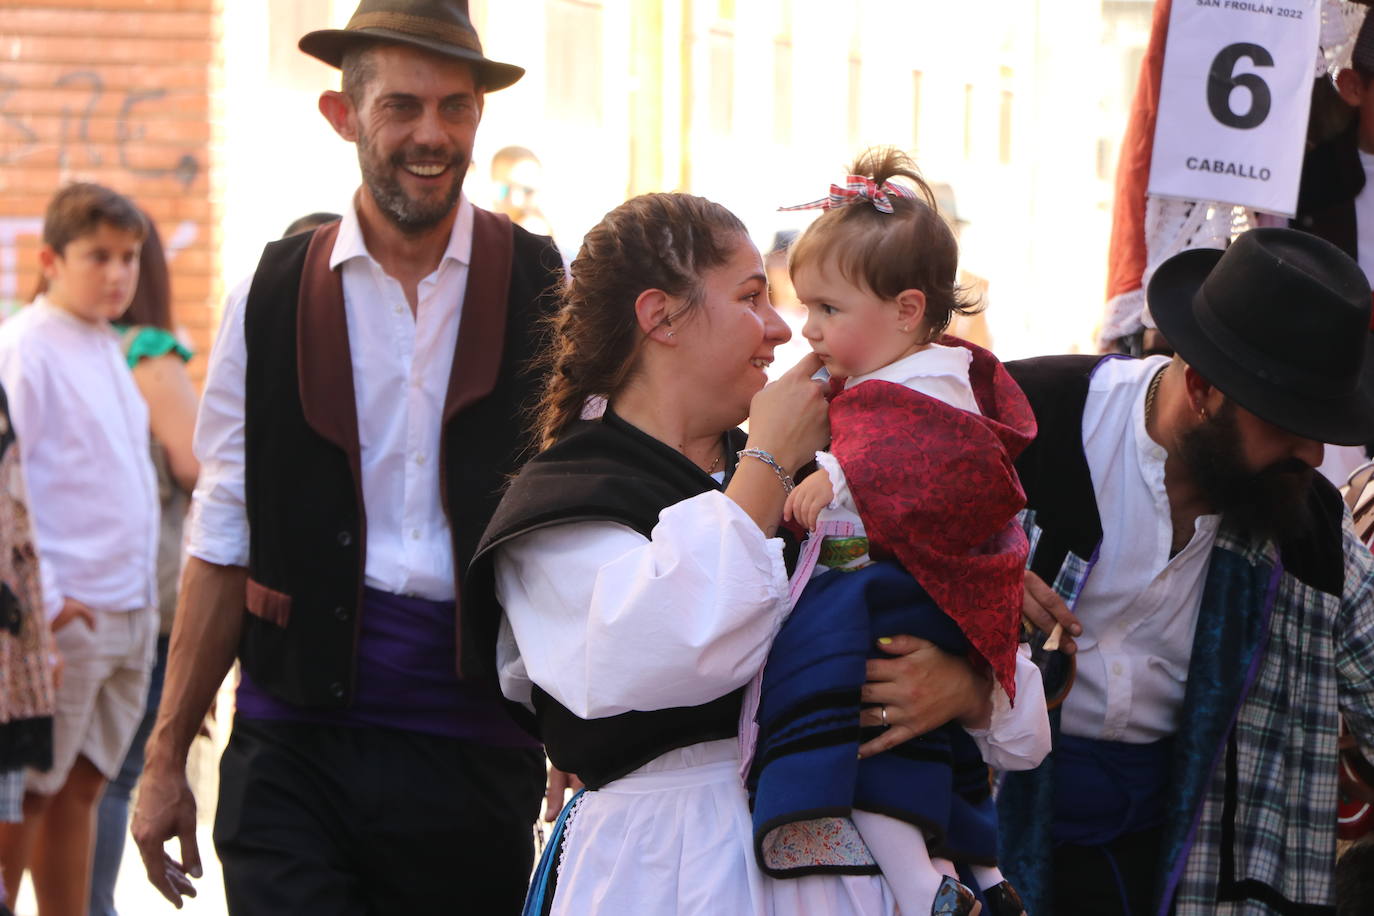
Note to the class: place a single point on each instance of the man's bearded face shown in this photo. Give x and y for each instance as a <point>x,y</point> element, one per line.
<point>411,212</point>
<point>1266,502</point>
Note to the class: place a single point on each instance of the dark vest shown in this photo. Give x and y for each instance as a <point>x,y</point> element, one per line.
<point>1059,489</point>
<point>601,470</point>
<point>303,459</point>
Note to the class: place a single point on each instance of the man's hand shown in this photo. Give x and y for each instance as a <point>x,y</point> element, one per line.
<point>560,783</point>
<point>808,498</point>
<point>73,610</point>
<point>921,689</point>
<point>1043,608</point>
<point>166,809</point>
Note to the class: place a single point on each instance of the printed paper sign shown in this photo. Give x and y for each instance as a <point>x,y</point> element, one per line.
<point>1234,100</point>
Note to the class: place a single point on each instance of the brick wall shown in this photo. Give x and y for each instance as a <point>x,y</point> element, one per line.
<point>119,92</point>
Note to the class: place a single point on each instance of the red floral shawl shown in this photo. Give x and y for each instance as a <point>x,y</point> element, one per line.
<point>936,489</point>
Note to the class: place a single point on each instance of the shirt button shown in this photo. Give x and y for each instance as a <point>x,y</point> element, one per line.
<point>344,538</point>
<point>420,459</point>
<point>341,613</point>
<point>1116,669</point>
<point>415,534</point>
<point>336,690</point>
<point>399,309</point>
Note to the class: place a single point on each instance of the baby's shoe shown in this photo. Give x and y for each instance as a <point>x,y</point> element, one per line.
<point>1004,901</point>
<point>953,899</point>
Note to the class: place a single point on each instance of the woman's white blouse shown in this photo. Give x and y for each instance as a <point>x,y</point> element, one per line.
<point>605,621</point>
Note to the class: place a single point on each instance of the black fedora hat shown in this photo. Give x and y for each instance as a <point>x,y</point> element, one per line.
<point>1279,322</point>
<point>442,26</point>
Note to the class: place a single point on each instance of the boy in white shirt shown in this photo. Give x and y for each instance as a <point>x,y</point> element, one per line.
<point>93,492</point>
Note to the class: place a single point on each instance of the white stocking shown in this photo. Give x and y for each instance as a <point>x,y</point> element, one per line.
<point>900,850</point>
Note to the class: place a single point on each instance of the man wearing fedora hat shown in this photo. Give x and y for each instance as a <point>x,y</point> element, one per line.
<point>361,412</point>
<point>1222,607</point>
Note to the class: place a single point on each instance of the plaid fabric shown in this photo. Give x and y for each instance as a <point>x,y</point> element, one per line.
<point>858,187</point>
<point>11,796</point>
<point>1275,853</point>
<point>1073,575</point>
<point>1265,837</point>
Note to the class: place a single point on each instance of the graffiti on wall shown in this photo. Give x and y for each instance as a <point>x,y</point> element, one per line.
<point>135,109</point>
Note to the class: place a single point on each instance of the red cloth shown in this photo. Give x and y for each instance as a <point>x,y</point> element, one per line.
<point>937,490</point>
<point>1126,252</point>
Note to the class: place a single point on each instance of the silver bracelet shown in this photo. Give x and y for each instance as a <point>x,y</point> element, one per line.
<point>760,454</point>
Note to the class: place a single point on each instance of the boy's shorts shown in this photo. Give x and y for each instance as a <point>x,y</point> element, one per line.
<point>102,696</point>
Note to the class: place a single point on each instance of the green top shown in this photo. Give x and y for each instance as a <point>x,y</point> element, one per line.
<point>150,342</point>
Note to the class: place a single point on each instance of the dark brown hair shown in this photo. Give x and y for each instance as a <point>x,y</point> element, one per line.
<point>910,248</point>
<point>79,209</point>
<point>654,241</point>
<point>152,302</point>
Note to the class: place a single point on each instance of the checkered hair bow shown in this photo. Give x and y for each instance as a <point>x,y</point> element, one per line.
<point>858,187</point>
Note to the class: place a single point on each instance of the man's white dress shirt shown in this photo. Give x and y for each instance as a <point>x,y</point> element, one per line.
<point>401,364</point>
<point>82,427</point>
<point>1139,606</point>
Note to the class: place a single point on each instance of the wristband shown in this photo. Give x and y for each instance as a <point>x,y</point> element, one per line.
<point>766,458</point>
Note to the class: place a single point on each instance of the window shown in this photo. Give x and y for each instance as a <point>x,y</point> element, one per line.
<point>968,120</point>
<point>782,92</point>
<point>722,82</point>
<point>574,88</point>
<point>287,21</point>
<point>1004,112</point>
<point>856,76</point>
<point>916,77</point>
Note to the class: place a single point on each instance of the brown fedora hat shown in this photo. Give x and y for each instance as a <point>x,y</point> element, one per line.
<point>1279,323</point>
<point>442,26</point>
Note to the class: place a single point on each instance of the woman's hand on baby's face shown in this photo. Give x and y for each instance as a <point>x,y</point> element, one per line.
<point>789,418</point>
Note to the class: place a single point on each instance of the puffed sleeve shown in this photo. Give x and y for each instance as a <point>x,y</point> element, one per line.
<point>606,621</point>
<point>1018,738</point>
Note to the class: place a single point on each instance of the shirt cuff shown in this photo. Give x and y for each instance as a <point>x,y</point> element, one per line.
<point>218,535</point>
<point>841,499</point>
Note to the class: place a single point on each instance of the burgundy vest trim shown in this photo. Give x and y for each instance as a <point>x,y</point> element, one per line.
<point>325,363</point>
<point>322,353</point>
<point>482,328</point>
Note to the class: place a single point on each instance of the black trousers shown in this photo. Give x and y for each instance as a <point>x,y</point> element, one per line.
<point>1117,879</point>
<point>342,821</point>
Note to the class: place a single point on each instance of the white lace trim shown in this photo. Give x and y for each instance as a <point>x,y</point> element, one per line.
<point>1340,24</point>
<point>568,826</point>
<point>1123,317</point>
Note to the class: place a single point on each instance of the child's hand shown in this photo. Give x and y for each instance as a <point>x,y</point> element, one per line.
<point>804,504</point>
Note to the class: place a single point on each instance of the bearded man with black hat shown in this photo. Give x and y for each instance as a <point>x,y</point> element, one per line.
<point>361,412</point>
<point>1223,607</point>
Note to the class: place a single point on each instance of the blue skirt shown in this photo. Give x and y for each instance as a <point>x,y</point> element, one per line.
<point>806,767</point>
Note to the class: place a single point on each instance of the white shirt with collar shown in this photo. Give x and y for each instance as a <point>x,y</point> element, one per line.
<point>82,427</point>
<point>1139,606</point>
<point>401,364</point>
